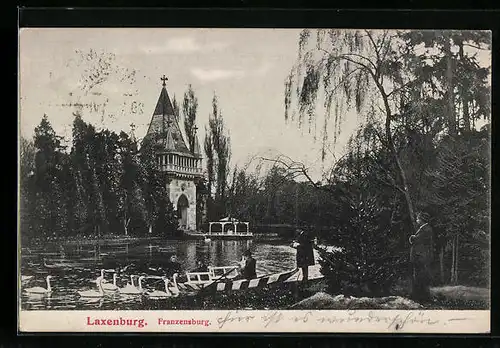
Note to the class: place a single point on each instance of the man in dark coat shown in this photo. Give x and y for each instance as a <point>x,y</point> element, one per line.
<point>248,266</point>
<point>305,253</point>
<point>421,258</point>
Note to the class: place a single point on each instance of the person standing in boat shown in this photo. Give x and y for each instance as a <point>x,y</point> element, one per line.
<point>305,253</point>
<point>247,266</point>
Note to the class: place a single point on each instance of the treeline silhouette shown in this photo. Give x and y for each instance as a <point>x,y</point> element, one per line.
<point>102,186</point>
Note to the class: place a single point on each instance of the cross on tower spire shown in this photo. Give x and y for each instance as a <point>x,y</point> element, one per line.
<point>164,79</point>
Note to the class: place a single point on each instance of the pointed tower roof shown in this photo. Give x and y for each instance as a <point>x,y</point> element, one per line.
<point>164,127</point>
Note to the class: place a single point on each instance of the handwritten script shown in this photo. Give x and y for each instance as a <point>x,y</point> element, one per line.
<point>390,321</point>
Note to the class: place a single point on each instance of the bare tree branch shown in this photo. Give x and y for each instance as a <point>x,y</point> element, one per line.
<point>409,83</point>
<point>475,46</point>
<point>296,168</point>
<point>375,48</point>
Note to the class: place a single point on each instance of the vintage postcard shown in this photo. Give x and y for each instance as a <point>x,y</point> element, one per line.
<point>254,180</point>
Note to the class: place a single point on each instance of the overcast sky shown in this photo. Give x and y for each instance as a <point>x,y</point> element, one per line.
<point>246,68</point>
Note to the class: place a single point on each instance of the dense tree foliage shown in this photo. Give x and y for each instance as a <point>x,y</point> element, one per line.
<point>102,186</point>
<point>419,96</point>
<point>217,148</point>
<point>189,110</point>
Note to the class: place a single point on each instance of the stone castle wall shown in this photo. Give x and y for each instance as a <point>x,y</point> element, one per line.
<point>176,187</point>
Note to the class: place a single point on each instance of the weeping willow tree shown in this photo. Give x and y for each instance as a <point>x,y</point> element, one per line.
<point>354,70</point>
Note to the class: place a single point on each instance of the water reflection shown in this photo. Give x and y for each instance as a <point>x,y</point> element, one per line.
<point>75,267</point>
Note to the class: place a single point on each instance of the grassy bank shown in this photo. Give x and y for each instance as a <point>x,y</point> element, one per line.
<point>118,239</point>
<point>461,297</point>
<point>287,295</point>
<point>90,240</point>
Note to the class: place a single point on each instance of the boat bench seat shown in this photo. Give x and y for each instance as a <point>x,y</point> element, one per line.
<point>217,272</point>
<point>198,277</point>
<point>213,274</point>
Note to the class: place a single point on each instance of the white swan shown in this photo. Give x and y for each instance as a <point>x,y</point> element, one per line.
<point>60,264</point>
<point>124,269</point>
<point>129,285</point>
<point>175,289</point>
<point>157,294</point>
<point>38,290</point>
<point>105,285</point>
<point>53,265</point>
<point>25,278</point>
<point>99,278</point>
<point>111,287</point>
<point>131,289</point>
<point>93,293</point>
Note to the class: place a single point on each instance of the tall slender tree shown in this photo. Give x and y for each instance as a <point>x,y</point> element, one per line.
<point>209,152</point>
<point>217,148</point>
<point>189,110</point>
<point>27,154</point>
<point>50,204</point>
<point>175,106</point>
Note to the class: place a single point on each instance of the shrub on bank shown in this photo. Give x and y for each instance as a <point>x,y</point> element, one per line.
<point>353,274</point>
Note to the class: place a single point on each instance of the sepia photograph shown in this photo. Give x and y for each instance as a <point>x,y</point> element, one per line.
<point>292,173</point>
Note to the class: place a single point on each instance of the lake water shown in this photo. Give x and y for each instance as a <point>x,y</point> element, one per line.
<point>84,264</point>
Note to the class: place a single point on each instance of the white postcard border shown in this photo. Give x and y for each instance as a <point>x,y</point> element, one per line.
<point>262,321</point>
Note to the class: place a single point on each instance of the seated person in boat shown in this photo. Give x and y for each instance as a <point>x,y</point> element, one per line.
<point>172,266</point>
<point>247,267</point>
<point>200,267</point>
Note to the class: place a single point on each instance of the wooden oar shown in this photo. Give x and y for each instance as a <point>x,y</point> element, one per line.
<point>204,289</point>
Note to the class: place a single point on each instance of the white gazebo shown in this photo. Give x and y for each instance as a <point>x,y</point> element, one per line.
<point>229,227</point>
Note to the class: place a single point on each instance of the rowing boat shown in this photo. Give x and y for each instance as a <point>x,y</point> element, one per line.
<point>197,281</point>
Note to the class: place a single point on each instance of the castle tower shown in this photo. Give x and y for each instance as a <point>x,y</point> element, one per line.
<point>180,165</point>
